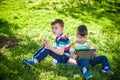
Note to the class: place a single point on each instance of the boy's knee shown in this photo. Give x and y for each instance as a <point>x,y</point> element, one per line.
<point>103,57</point>
<point>83,61</point>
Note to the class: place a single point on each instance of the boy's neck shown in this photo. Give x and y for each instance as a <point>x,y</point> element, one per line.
<point>80,42</point>
<point>59,34</point>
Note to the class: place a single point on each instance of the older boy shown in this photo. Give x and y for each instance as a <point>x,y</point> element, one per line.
<point>60,52</point>
<point>83,44</point>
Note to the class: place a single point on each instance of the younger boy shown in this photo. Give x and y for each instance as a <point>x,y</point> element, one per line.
<point>83,44</point>
<point>60,52</point>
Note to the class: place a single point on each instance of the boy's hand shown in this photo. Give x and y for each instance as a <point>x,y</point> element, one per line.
<point>96,52</point>
<point>44,42</point>
<point>47,46</point>
<point>73,56</point>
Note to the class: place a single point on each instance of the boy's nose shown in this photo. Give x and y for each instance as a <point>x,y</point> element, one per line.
<point>53,29</point>
<point>82,40</point>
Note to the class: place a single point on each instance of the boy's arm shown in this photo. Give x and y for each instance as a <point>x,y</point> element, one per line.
<point>91,47</point>
<point>96,52</point>
<point>59,51</point>
<point>72,51</point>
<point>60,46</point>
<point>73,55</point>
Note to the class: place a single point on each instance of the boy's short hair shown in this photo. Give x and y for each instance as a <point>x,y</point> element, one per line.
<point>82,30</point>
<point>58,21</point>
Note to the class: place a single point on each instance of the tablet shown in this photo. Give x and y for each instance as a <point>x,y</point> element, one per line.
<point>88,54</point>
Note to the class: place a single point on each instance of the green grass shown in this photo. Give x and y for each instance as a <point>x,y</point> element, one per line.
<point>29,21</point>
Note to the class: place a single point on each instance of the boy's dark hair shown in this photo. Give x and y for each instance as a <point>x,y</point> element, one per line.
<point>58,21</point>
<point>82,30</point>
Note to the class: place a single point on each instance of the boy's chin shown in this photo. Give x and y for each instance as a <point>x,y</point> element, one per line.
<point>56,35</point>
<point>81,41</point>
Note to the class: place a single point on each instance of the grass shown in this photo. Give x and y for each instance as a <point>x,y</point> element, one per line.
<point>29,21</point>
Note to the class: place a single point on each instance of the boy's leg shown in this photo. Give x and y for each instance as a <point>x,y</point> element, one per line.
<point>105,64</point>
<point>41,49</point>
<point>36,57</point>
<point>42,53</point>
<point>60,58</point>
<point>83,65</point>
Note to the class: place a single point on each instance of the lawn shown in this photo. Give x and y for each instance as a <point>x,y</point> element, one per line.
<point>25,23</point>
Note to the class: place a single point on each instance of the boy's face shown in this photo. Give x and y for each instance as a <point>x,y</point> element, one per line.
<point>81,38</point>
<point>57,29</point>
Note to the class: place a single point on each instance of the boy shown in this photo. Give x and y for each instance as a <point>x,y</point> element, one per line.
<point>83,44</point>
<point>60,52</point>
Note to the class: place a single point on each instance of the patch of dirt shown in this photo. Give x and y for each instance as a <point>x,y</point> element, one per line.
<point>8,42</point>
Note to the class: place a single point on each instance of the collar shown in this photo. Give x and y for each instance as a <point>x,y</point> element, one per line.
<point>81,42</point>
<point>57,38</point>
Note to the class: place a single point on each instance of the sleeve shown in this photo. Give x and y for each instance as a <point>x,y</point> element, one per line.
<point>61,43</point>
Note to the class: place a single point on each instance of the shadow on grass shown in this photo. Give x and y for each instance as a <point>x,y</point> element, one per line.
<point>94,11</point>
<point>13,70</point>
<point>6,28</point>
<point>72,72</point>
<point>59,70</point>
<point>10,63</point>
<point>7,34</point>
<point>116,66</point>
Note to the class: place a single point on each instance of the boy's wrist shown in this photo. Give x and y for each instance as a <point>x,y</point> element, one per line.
<point>50,48</point>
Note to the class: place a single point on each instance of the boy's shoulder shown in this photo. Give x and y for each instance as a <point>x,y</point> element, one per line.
<point>74,42</point>
<point>88,41</point>
<point>63,36</point>
<point>77,42</point>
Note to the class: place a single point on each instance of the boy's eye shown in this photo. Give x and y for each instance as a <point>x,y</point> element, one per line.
<point>85,37</point>
<point>80,37</point>
<point>56,28</point>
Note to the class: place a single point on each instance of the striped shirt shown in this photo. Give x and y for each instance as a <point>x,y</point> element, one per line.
<point>63,40</point>
<point>80,46</point>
